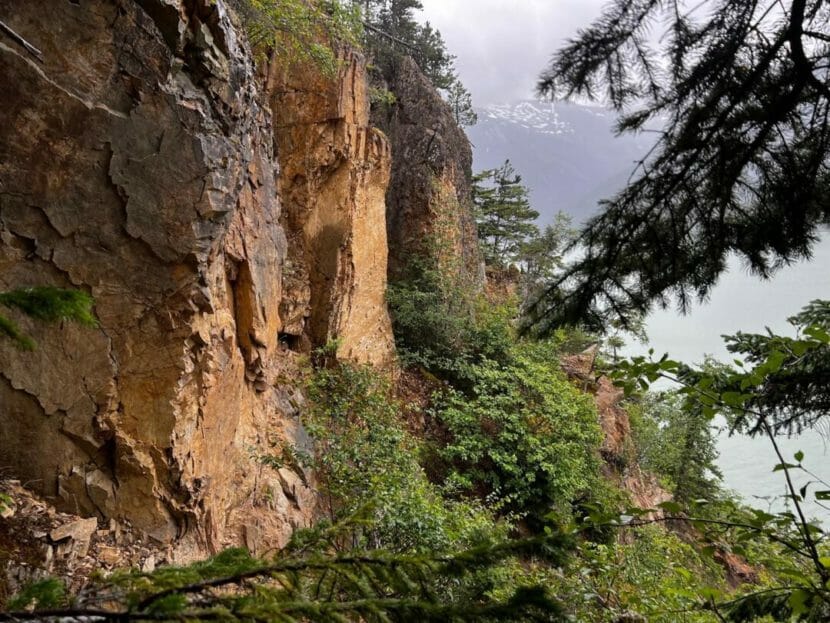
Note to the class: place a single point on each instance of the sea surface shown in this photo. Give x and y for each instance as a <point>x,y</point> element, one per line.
<point>742,302</point>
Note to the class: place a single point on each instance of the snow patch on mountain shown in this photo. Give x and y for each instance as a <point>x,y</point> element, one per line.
<point>567,153</point>
<point>542,116</point>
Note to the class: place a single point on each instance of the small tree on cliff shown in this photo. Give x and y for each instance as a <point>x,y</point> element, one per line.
<point>433,58</point>
<point>392,31</point>
<point>461,103</point>
<point>298,31</point>
<point>542,254</point>
<point>503,214</point>
<point>675,441</point>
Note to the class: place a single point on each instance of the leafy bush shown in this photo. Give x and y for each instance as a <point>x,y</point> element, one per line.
<point>298,31</point>
<point>44,594</point>
<point>442,325</point>
<point>381,96</point>
<point>650,575</point>
<point>676,444</point>
<point>365,457</point>
<point>524,437</point>
<point>777,388</point>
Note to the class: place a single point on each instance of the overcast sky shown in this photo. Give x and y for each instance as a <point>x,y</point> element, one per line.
<point>503,45</point>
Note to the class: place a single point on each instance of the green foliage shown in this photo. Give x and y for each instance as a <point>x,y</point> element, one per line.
<point>570,340</point>
<point>649,575</point>
<point>381,96</point>
<point>803,578</point>
<point>366,459</point>
<point>298,31</point>
<point>441,323</point>
<point>42,595</point>
<point>392,31</point>
<point>740,98</point>
<point>795,393</point>
<point>678,444</point>
<point>780,383</point>
<point>522,436</point>
<point>461,103</point>
<point>47,304</point>
<point>310,581</point>
<point>503,214</point>
<point>541,254</point>
<point>430,52</point>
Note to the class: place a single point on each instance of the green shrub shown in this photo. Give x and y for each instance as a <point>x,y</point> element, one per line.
<point>365,458</point>
<point>523,437</point>
<point>382,96</point>
<point>298,31</point>
<point>677,444</point>
<point>442,325</point>
<point>649,573</point>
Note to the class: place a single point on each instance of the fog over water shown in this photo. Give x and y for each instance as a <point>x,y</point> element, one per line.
<point>742,302</point>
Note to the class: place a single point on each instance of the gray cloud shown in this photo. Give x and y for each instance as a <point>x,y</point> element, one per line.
<point>503,45</point>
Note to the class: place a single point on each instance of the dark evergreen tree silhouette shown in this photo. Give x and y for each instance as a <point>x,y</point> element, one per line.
<point>737,91</point>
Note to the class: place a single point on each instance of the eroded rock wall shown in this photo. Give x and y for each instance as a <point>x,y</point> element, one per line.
<point>428,204</point>
<point>137,164</point>
<point>619,462</point>
<point>334,174</point>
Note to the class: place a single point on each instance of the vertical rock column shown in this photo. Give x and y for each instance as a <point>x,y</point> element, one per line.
<point>333,181</point>
<point>429,195</point>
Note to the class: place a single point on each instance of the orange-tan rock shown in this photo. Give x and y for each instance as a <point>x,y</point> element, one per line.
<point>137,164</point>
<point>333,178</point>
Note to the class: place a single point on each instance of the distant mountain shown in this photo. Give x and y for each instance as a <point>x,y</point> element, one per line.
<point>567,154</point>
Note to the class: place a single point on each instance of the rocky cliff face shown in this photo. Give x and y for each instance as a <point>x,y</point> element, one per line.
<point>334,175</point>
<point>429,200</point>
<point>136,163</point>
<point>222,220</point>
<point>140,167</point>
<point>620,466</point>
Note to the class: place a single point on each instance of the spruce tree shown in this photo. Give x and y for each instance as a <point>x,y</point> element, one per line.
<point>433,58</point>
<point>393,31</point>
<point>503,214</point>
<point>541,255</point>
<point>739,94</point>
<point>461,103</point>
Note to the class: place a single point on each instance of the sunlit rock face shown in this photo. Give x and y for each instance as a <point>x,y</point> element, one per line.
<point>334,173</point>
<point>224,220</point>
<point>136,163</point>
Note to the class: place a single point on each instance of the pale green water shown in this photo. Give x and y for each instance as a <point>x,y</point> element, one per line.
<point>742,302</point>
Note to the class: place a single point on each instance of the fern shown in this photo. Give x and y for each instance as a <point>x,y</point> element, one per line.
<point>48,304</point>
